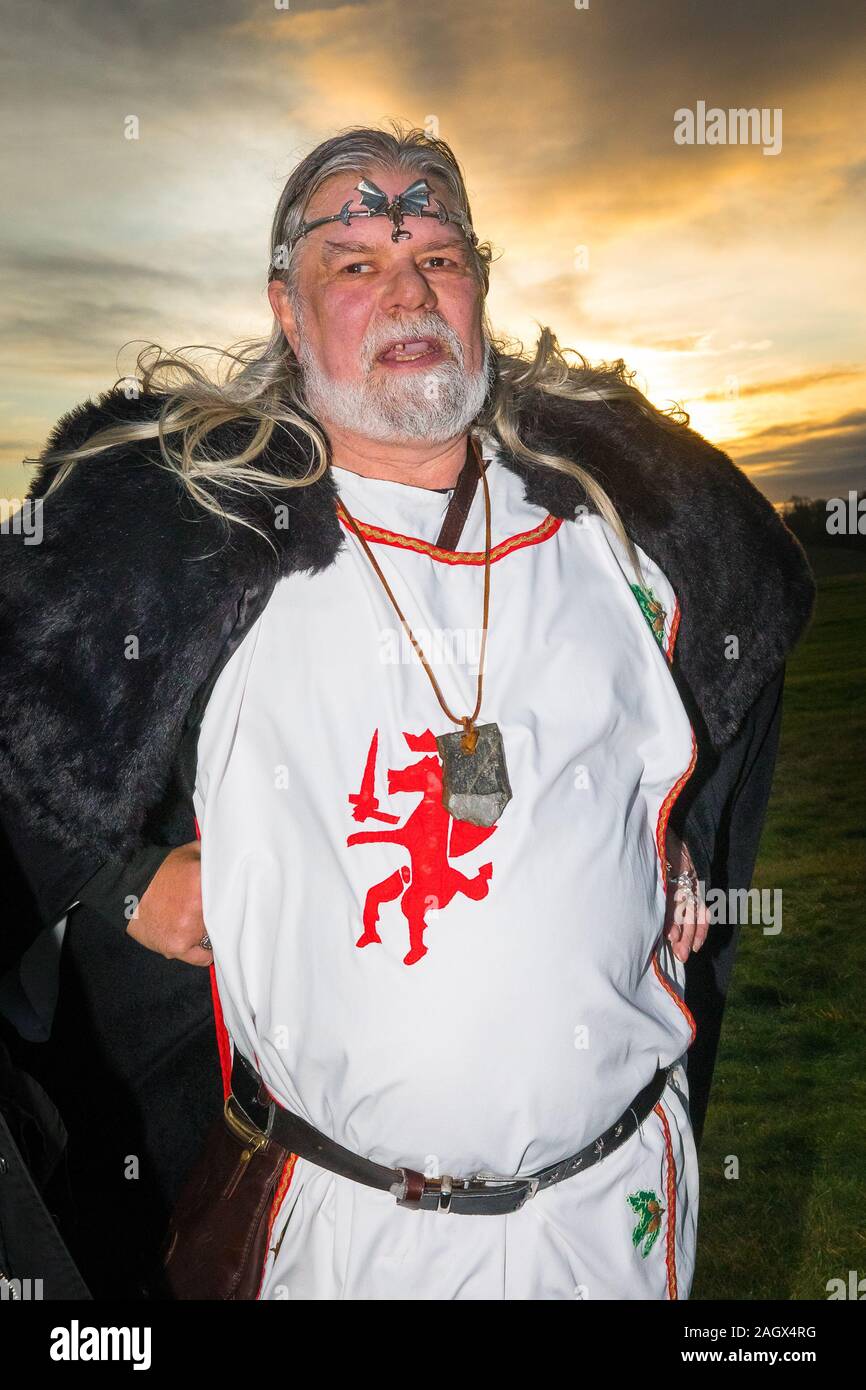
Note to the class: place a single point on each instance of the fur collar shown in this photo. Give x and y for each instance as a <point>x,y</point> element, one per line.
<point>89,727</point>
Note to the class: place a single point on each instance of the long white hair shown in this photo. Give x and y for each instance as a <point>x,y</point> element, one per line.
<point>261,382</point>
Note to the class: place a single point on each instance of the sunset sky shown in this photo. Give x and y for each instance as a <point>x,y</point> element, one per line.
<point>730,279</point>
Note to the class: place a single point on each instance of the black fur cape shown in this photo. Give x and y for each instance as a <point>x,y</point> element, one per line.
<point>98,752</point>
<point>88,736</point>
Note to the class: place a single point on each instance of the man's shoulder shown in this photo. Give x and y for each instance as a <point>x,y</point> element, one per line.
<point>626,439</point>
<point>114,408</point>
<point>110,514</point>
<point>669,483</point>
<point>727,554</point>
<point>115,405</point>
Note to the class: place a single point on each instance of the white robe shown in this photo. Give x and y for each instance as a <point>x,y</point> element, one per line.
<point>546,996</point>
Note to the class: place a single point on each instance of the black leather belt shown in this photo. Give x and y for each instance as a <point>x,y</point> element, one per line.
<point>482,1194</point>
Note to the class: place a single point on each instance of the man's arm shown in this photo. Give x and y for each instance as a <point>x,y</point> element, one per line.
<point>153,892</point>
<point>154,895</point>
<point>116,889</point>
<point>42,881</point>
<point>58,879</point>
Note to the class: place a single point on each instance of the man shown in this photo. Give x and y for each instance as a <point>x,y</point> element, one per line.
<point>427,640</point>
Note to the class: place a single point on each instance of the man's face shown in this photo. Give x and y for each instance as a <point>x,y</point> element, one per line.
<point>388,334</point>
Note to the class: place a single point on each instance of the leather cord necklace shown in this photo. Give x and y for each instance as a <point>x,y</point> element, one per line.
<point>475,785</point>
<point>462,496</point>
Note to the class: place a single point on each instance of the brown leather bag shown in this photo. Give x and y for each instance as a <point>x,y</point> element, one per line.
<point>216,1243</point>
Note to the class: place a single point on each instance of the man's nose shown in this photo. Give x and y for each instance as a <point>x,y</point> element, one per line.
<point>407,288</point>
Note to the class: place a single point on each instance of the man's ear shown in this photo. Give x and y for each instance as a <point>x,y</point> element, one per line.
<point>284,313</point>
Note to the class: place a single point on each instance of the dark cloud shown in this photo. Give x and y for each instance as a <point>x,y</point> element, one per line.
<point>824,464</point>
<point>735,53</point>
<point>65,310</point>
<point>563,120</point>
<point>854,177</point>
<point>595,91</point>
<point>853,419</point>
<point>803,381</point>
<point>162,24</point>
<point>74,266</point>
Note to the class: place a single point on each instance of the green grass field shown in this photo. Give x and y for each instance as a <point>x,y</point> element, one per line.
<point>789,1093</point>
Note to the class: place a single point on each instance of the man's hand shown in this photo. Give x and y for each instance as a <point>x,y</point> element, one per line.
<point>169,918</point>
<point>686,921</point>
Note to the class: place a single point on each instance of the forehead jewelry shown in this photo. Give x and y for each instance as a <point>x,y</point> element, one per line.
<point>413,201</point>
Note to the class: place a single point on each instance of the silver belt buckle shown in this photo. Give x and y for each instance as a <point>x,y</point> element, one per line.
<point>490,1179</point>
<point>444,1186</point>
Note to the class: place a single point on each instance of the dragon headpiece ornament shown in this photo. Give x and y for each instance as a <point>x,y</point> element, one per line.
<point>413,201</point>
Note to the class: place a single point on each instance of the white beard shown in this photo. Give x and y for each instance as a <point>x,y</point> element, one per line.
<point>438,405</point>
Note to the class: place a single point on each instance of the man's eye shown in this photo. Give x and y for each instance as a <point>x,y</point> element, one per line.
<point>355,265</point>
<point>443,259</point>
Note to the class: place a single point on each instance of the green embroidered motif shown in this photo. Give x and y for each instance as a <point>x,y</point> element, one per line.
<point>652,611</point>
<point>648,1209</point>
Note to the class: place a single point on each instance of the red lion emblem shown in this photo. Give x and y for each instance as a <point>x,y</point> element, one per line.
<point>431,881</point>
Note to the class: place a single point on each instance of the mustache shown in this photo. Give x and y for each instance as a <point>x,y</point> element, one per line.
<point>429,327</point>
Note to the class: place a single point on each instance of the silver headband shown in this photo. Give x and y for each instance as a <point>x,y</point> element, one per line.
<point>374,203</point>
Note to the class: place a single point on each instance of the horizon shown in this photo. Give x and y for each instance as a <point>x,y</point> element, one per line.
<point>725,274</point>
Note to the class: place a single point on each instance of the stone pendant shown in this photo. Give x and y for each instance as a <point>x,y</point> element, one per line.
<point>475,786</point>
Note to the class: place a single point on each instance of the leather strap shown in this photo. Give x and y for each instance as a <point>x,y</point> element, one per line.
<point>461,500</point>
<point>478,1195</point>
